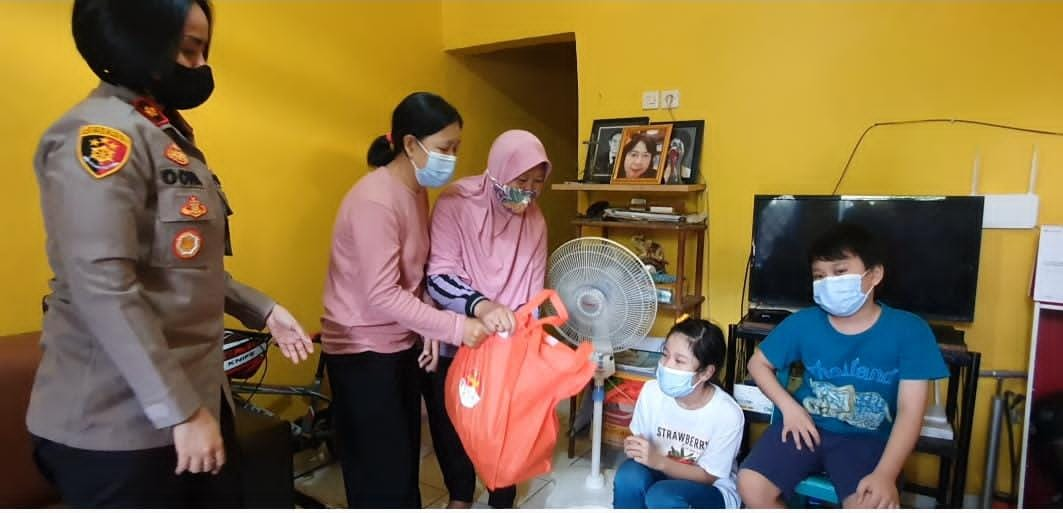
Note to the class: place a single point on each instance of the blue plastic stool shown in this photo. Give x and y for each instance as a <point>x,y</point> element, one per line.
<point>819,488</point>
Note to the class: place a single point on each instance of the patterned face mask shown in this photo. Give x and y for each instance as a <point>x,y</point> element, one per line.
<point>513,199</point>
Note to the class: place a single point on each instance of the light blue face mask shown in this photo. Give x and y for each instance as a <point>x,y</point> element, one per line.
<point>437,170</point>
<point>840,296</point>
<point>675,383</point>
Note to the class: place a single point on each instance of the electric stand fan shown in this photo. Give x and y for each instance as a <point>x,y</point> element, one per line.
<point>611,301</point>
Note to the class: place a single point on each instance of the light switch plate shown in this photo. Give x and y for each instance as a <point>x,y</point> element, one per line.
<point>651,100</point>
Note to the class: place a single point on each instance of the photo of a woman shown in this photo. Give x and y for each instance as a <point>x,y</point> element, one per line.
<point>639,161</point>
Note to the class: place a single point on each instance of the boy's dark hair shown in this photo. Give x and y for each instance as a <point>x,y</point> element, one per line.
<point>845,239</point>
<point>132,43</point>
<point>706,342</point>
<point>419,115</point>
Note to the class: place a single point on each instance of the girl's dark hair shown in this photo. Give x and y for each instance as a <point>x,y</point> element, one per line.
<point>706,342</point>
<point>419,115</point>
<point>132,43</point>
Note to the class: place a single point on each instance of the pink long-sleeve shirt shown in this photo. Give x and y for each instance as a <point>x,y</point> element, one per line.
<point>375,285</point>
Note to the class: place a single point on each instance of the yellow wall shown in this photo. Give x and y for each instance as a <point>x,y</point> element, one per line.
<point>787,87</point>
<point>302,89</point>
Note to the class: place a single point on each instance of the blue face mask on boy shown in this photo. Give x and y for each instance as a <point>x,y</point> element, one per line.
<point>840,296</point>
<point>437,170</point>
<point>675,383</point>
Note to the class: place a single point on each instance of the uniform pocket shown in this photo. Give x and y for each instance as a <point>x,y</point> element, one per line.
<point>189,228</point>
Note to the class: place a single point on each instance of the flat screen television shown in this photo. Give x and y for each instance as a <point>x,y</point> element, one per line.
<point>932,243</point>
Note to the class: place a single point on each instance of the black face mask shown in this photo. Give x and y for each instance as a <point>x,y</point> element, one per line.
<point>185,88</point>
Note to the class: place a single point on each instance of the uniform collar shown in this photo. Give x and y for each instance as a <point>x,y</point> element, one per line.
<point>147,107</point>
<point>106,89</point>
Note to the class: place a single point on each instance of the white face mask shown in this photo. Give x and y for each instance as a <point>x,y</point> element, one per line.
<point>840,296</point>
<point>437,170</point>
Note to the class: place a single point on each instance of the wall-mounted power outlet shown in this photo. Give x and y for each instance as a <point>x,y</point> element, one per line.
<point>670,99</point>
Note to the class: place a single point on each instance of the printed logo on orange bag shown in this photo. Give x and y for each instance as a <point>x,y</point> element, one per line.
<point>469,389</point>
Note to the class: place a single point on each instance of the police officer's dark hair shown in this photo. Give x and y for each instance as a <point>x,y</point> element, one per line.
<point>420,115</point>
<point>706,342</point>
<point>131,42</point>
<point>845,239</point>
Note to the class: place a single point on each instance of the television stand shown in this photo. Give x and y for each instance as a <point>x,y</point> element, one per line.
<point>948,335</point>
<point>766,315</point>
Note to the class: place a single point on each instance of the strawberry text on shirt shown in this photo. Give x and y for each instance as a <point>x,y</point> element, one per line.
<point>683,438</point>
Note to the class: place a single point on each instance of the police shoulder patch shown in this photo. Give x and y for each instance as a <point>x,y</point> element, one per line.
<point>176,155</point>
<point>151,110</point>
<point>102,150</point>
<point>186,244</point>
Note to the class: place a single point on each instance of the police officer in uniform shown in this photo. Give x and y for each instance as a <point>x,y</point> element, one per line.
<point>131,407</point>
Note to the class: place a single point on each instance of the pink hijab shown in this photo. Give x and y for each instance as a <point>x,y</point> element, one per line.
<point>499,253</point>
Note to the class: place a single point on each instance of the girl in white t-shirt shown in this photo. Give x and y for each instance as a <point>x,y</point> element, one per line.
<point>685,430</point>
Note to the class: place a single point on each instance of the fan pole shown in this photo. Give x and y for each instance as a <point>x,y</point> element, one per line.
<point>595,480</point>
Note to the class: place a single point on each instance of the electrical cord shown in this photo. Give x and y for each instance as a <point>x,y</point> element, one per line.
<point>262,378</point>
<point>852,154</point>
<point>745,284</point>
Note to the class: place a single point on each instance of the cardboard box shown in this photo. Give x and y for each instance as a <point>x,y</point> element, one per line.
<point>750,398</point>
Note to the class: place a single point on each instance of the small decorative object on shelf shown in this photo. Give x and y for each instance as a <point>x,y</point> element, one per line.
<point>651,253</point>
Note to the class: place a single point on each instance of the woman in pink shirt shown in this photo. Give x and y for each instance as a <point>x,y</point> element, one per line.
<point>488,258</point>
<point>375,317</point>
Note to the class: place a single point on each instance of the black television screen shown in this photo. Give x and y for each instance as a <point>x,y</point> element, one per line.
<point>933,244</point>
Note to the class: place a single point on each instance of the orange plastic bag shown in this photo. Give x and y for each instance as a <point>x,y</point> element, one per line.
<point>502,396</point>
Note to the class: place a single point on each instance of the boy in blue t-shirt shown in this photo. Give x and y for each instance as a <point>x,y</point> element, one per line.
<point>859,410</point>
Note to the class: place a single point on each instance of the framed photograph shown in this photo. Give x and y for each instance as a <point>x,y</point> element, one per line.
<point>604,145</point>
<point>682,161</point>
<point>642,152</point>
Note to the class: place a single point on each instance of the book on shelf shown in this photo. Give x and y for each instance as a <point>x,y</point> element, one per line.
<point>624,214</point>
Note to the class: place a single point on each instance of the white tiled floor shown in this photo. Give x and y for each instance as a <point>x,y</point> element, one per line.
<point>326,484</point>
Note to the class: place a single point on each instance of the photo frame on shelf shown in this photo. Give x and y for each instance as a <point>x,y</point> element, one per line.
<point>684,152</point>
<point>641,157</point>
<point>604,146</point>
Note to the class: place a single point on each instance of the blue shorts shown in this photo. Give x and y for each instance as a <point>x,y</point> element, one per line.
<point>845,458</point>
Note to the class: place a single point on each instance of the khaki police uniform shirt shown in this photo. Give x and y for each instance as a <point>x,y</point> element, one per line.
<point>136,235</point>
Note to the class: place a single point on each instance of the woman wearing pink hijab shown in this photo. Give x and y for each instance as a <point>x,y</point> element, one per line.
<point>488,258</point>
